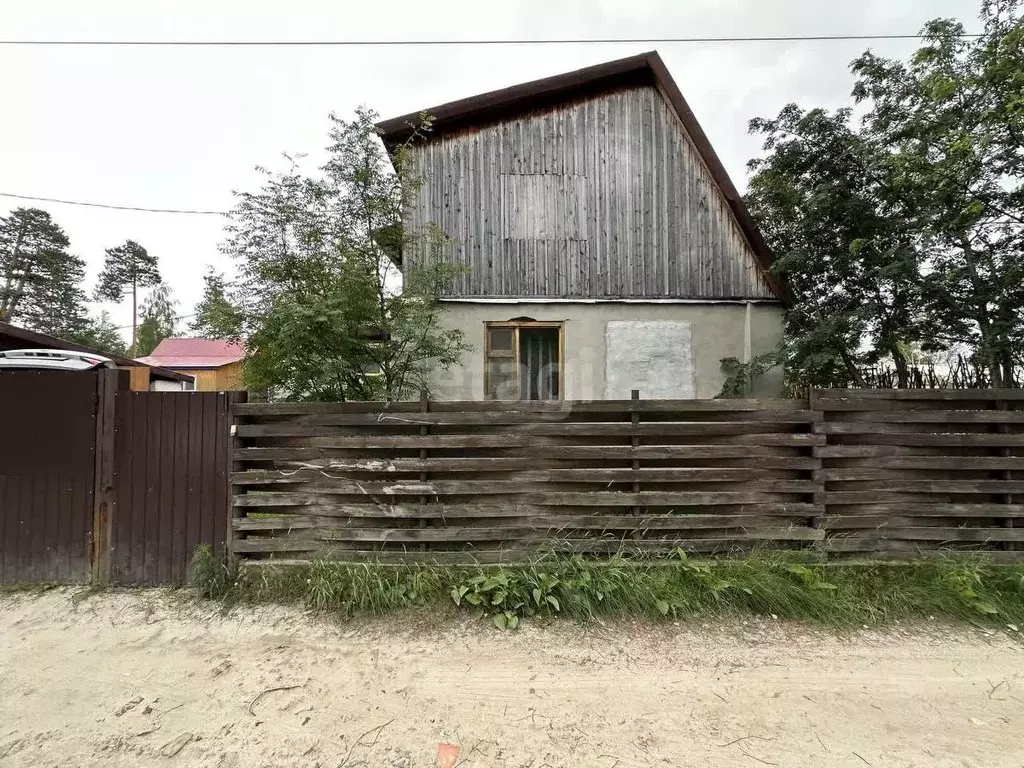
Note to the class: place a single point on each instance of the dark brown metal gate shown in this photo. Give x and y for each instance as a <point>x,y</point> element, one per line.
<point>170,481</point>
<point>100,483</point>
<point>47,474</point>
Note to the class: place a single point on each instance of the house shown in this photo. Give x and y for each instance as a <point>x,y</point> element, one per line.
<point>144,376</point>
<point>607,249</point>
<point>216,364</point>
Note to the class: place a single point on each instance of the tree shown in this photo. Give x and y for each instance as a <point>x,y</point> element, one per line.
<point>823,199</point>
<point>907,231</point>
<point>40,281</point>
<point>953,118</point>
<point>100,333</point>
<point>128,267</point>
<point>159,319</point>
<point>323,305</point>
<point>216,317</point>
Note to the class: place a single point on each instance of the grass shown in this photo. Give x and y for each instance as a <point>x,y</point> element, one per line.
<point>837,595</point>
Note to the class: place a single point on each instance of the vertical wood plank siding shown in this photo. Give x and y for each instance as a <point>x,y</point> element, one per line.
<point>603,198</point>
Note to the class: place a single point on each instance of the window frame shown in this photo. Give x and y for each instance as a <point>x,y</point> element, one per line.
<point>515,326</point>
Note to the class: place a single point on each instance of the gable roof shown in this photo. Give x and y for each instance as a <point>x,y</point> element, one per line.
<point>643,69</point>
<point>13,337</point>
<point>195,353</point>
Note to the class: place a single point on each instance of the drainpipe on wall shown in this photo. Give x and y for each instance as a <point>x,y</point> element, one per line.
<point>746,331</point>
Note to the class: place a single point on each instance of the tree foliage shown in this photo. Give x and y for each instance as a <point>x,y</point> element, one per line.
<point>40,280</point>
<point>216,317</point>
<point>904,232</point>
<point>126,269</point>
<point>159,319</point>
<point>102,334</point>
<point>325,312</point>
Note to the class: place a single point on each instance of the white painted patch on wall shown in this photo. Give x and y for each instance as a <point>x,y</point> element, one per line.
<point>654,357</point>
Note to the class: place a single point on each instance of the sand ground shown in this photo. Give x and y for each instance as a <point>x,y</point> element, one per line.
<point>138,678</point>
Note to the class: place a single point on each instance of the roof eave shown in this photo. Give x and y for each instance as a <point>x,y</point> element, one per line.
<point>46,340</point>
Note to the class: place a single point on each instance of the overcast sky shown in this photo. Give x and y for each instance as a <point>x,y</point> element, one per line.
<point>183,127</point>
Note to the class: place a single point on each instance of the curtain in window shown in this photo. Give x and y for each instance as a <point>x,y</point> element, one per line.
<point>538,363</point>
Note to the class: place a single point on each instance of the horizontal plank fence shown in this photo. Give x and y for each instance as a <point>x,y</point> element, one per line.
<point>912,471</point>
<point>498,481</point>
<point>845,473</point>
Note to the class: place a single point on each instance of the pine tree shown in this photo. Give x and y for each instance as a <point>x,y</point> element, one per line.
<point>128,268</point>
<point>40,281</point>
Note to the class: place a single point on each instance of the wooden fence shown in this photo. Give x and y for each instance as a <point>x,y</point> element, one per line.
<point>909,471</point>
<point>894,473</point>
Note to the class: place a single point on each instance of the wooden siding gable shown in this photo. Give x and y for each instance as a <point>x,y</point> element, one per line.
<point>605,197</point>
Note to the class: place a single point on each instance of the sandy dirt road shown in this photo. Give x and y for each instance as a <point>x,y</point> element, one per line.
<point>150,678</point>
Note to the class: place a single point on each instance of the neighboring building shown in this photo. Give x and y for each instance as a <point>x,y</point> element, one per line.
<point>216,364</point>
<point>144,376</point>
<point>607,249</point>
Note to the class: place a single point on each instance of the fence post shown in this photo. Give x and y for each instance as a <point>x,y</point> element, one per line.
<point>107,384</point>
<point>820,497</point>
<point>232,466</point>
<point>1004,428</point>
<point>635,419</point>
<point>424,431</point>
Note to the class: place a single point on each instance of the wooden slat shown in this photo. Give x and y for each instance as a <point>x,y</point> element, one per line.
<point>825,398</point>
<point>415,442</point>
<point>744,429</point>
<point>935,463</point>
<point>525,418</point>
<point>880,487</point>
<point>753,478</point>
<point>882,506</point>
<point>408,536</point>
<point>595,498</point>
<point>251,410</point>
<point>949,534</point>
<point>284,523</point>
<point>937,417</point>
<point>759,455</point>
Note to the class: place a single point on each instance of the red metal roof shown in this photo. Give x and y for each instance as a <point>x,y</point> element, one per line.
<point>195,353</point>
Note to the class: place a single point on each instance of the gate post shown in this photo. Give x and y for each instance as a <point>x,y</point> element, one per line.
<point>108,382</point>
<point>231,466</point>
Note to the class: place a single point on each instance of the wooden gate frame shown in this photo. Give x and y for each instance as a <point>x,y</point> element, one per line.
<point>108,382</point>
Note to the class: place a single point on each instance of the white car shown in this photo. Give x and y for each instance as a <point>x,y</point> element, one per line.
<point>53,359</point>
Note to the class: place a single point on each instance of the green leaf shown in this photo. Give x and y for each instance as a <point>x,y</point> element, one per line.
<point>554,603</point>
<point>500,621</point>
<point>536,596</point>
<point>987,608</point>
<point>456,596</point>
<point>663,607</point>
<point>498,599</point>
<point>513,621</point>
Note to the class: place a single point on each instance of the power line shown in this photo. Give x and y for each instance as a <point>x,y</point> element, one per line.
<point>114,207</point>
<point>456,42</point>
